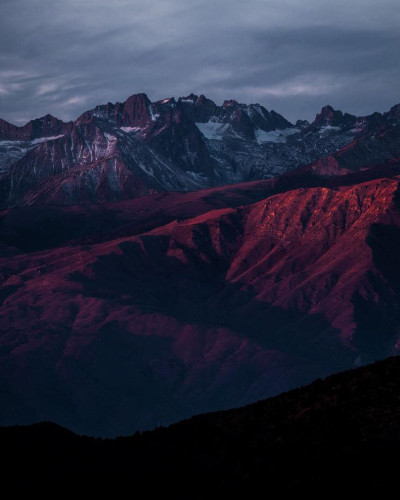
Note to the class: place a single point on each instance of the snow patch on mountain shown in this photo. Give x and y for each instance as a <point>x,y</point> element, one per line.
<point>253,110</point>
<point>46,139</point>
<point>110,137</point>
<point>153,115</point>
<point>277,136</point>
<point>12,150</point>
<point>213,130</point>
<point>327,129</point>
<point>130,129</point>
<point>8,144</point>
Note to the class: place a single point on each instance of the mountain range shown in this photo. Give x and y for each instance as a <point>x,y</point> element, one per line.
<point>154,264</point>
<point>126,150</point>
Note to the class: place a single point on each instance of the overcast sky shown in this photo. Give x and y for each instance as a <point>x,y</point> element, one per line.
<point>294,56</point>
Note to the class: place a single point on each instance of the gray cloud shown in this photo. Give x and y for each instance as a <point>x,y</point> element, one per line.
<point>65,57</point>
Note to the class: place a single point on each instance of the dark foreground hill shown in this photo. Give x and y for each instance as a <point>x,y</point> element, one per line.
<point>340,435</point>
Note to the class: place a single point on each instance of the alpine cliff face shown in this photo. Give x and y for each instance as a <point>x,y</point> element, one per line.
<point>131,149</point>
<point>130,297</point>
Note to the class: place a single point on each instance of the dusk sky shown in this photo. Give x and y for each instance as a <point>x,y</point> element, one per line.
<point>64,57</point>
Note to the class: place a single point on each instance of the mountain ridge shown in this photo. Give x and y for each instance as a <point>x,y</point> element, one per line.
<point>220,298</point>
<point>130,149</point>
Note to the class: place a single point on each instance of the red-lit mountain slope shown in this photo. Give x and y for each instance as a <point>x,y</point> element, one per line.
<point>214,311</point>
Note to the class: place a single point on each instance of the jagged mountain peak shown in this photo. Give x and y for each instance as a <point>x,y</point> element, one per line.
<point>190,98</point>
<point>47,125</point>
<point>301,124</point>
<point>230,103</point>
<point>139,97</point>
<point>328,116</point>
<point>394,112</point>
<point>47,118</point>
<point>137,102</point>
<point>136,110</point>
<point>202,99</point>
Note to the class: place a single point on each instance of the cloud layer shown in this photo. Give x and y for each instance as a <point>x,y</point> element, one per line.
<point>65,57</point>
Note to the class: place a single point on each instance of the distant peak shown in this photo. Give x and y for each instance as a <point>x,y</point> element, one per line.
<point>302,124</point>
<point>326,112</point>
<point>230,104</point>
<point>191,97</point>
<point>394,112</point>
<point>138,98</point>
<point>47,118</point>
<point>197,100</point>
<point>328,116</point>
<point>327,109</point>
